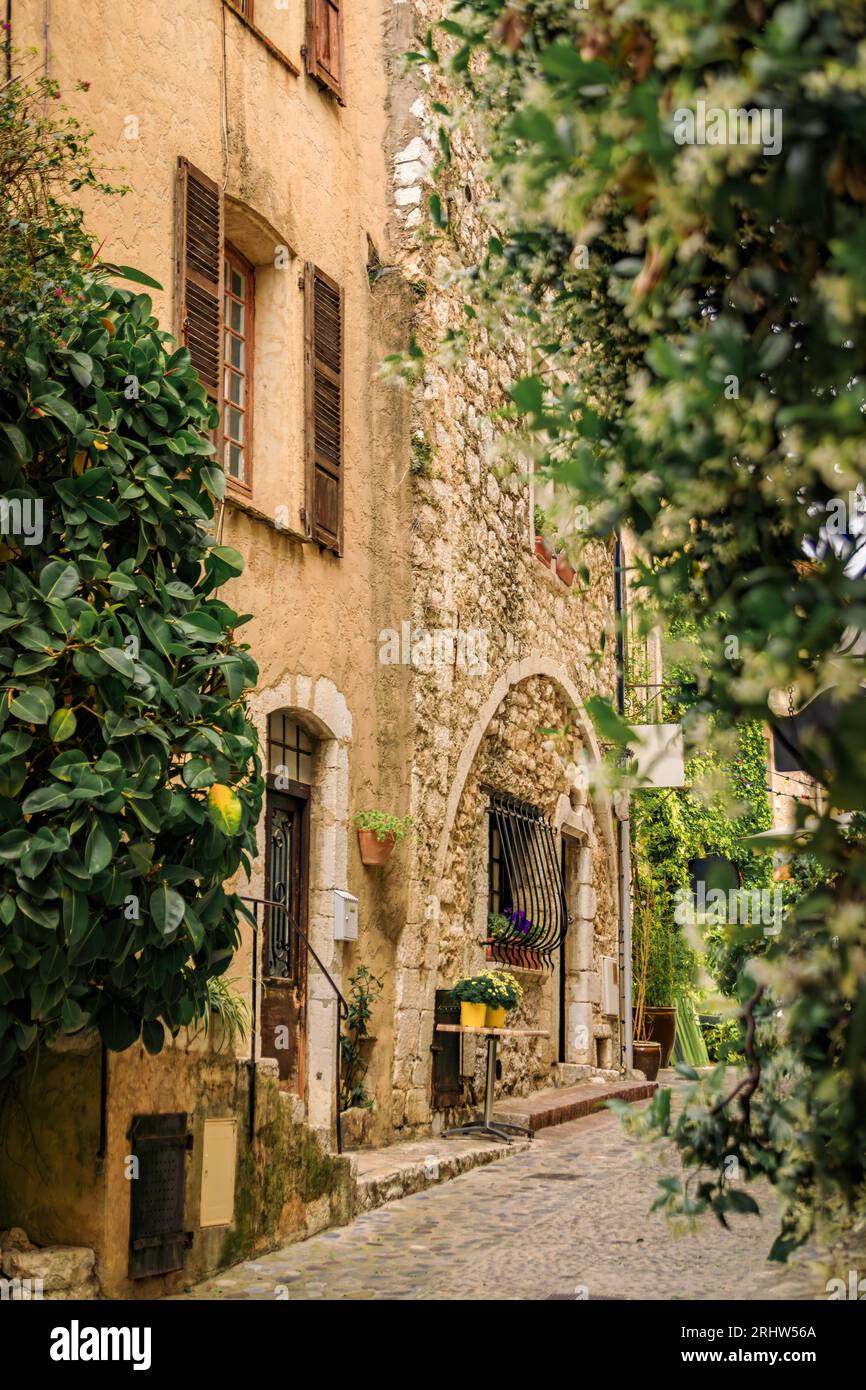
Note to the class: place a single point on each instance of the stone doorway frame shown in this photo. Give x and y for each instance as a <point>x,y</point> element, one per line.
<point>323,710</point>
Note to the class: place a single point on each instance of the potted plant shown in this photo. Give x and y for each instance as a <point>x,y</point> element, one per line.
<point>646,1052</point>
<point>545,536</point>
<point>654,962</point>
<point>378,833</point>
<point>486,998</point>
<point>564,568</point>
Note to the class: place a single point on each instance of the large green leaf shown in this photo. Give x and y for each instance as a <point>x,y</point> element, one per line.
<point>166,908</point>
<point>34,705</point>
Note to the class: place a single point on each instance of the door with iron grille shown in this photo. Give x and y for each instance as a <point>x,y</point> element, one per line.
<point>284,956</point>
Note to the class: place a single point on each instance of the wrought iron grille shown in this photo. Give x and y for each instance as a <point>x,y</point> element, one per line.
<point>280,938</point>
<point>530,890</point>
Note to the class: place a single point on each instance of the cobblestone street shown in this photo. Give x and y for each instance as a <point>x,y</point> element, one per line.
<point>567,1219</point>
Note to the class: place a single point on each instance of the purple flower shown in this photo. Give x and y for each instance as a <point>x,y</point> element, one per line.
<point>521,922</point>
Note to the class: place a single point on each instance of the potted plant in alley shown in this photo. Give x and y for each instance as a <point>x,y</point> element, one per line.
<point>378,833</point>
<point>646,1052</point>
<point>545,536</point>
<point>564,568</point>
<point>486,998</point>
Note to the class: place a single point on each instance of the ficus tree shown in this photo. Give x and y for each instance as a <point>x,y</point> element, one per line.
<point>129,773</point>
<point>697,307</point>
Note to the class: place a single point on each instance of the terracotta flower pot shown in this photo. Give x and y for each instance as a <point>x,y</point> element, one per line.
<point>647,1058</point>
<point>661,1027</point>
<point>472,1015</point>
<point>373,850</point>
<point>543,550</point>
<point>564,570</point>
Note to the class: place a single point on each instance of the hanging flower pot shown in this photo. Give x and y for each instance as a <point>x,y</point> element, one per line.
<point>565,571</point>
<point>378,833</point>
<point>544,550</point>
<point>373,850</point>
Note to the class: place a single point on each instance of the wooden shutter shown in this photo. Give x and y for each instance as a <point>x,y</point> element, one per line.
<point>323,361</point>
<point>200,273</point>
<point>324,55</point>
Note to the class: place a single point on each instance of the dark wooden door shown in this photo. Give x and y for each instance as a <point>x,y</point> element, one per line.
<point>284,955</point>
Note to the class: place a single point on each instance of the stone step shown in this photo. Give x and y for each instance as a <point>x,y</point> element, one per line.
<point>560,1104</point>
<point>385,1175</point>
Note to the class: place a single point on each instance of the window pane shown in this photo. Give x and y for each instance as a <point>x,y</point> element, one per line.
<point>236,316</point>
<point>235,387</point>
<point>237,283</point>
<point>305,768</point>
<point>235,461</point>
<point>235,350</point>
<point>236,426</point>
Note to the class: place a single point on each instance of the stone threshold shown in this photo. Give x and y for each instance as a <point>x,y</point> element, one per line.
<point>561,1104</point>
<point>398,1170</point>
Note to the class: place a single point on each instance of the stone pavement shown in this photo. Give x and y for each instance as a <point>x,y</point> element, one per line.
<point>568,1218</point>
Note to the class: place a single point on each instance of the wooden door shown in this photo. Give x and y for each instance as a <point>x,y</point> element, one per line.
<point>284,953</point>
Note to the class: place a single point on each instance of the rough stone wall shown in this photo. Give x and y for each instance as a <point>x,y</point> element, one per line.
<point>474,571</point>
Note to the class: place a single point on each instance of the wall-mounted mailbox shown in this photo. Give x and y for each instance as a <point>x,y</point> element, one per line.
<point>345,916</point>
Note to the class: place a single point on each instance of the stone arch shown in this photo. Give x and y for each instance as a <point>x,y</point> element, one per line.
<point>321,707</point>
<point>416,977</point>
<point>518,671</point>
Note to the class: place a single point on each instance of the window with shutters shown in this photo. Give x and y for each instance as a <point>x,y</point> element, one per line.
<point>324,51</point>
<point>323,352</point>
<point>245,7</point>
<point>239,301</point>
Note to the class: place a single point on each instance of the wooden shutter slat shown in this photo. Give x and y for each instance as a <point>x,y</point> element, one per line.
<point>323,356</point>
<point>200,273</point>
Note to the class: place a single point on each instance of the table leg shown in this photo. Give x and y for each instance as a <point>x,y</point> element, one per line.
<point>495,1129</point>
<point>491,1080</point>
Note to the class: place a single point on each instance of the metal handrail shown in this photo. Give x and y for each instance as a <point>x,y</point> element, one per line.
<point>342,1004</point>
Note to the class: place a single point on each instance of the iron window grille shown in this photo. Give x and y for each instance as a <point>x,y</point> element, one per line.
<point>525,883</point>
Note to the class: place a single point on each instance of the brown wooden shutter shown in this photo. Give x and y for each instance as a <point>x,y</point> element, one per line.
<point>200,273</point>
<point>324,55</point>
<point>323,360</point>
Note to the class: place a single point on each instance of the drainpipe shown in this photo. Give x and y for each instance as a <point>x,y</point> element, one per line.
<point>624,840</point>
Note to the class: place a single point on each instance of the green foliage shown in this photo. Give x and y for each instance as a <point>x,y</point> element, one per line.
<point>384,823</point>
<point>122,685</point>
<point>671,828</point>
<point>700,383</point>
<point>496,988</point>
<point>224,1003</point>
<point>725,1041</point>
<point>364,990</point>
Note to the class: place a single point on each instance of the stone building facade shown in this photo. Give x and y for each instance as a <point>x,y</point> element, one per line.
<point>306,138</point>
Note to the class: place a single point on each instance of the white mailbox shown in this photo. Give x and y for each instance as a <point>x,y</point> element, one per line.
<point>345,916</point>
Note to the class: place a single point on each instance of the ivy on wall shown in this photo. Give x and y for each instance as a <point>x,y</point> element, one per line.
<point>673,827</point>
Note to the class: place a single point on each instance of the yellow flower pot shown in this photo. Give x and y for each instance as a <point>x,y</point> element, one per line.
<point>471,1015</point>
<point>494,1018</point>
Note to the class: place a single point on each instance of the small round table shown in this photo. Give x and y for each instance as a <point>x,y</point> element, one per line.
<point>496,1129</point>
